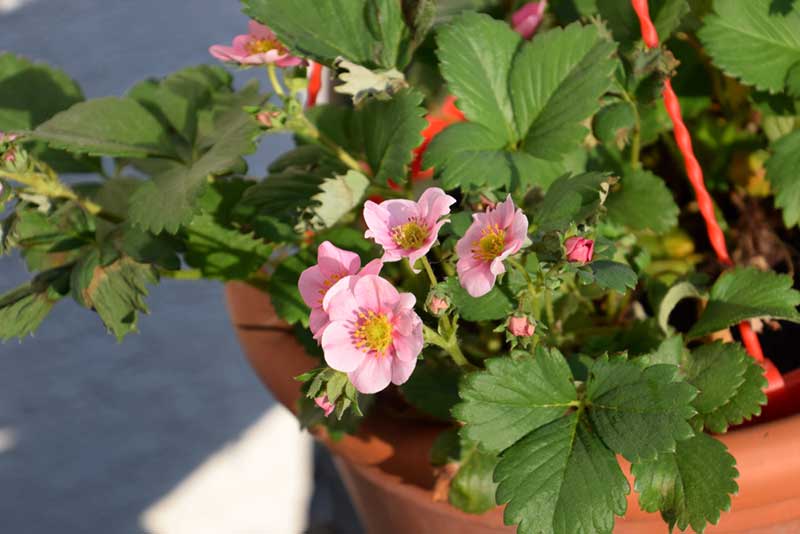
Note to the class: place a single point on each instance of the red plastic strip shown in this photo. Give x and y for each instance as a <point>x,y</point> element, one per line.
<point>314,84</point>
<point>704,201</point>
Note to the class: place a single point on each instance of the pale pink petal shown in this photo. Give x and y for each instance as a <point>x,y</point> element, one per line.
<point>406,301</point>
<point>311,284</point>
<point>375,294</point>
<point>373,267</point>
<point>476,278</point>
<point>340,352</point>
<point>401,370</point>
<point>317,322</point>
<point>407,347</point>
<point>400,211</point>
<point>339,303</point>
<point>259,31</point>
<point>240,45</point>
<point>325,405</point>
<point>503,214</point>
<point>288,60</point>
<point>376,217</point>
<point>373,375</point>
<point>497,267</point>
<point>224,53</point>
<point>333,260</point>
<point>434,204</point>
<point>526,19</point>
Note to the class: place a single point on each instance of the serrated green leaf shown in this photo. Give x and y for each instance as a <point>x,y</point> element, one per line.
<point>571,199</point>
<point>116,289</point>
<point>391,130</point>
<point>746,293</point>
<point>751,41</point>
<point>283,290</point>
<point>110,126</point>
<point>669,352</point>
<point>613,275</point>
<point>326,29</point>
<point>556,82</point>
<point>612,124</point>
<point>284,195</point>
<point>745,404</point>
<point>675,294</point>
<point>624,24</point>
<point>472,490</point>
<point>514,397</point>
<point>433,389</point>
<point>561,479</point>
<point>783,175</point>
<point>170,198</point>
<point>638,413</point>
<point>690,486</point>
<point>717,371</point>
<point>337,197</point>
<point>494,305</point>
<point>643,202</point>
<point>475,55</point>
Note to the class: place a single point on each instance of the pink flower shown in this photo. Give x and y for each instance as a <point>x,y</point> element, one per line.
<point>407,229</point>
<point>438,305</point>
<point>521,326</point>
<point>258,47</point>
<point>374,335</point>
<point>579,249</point>
<point>326,405</point>
<point>493,236</point>
<point>526,19</point>
<point>333,264</point>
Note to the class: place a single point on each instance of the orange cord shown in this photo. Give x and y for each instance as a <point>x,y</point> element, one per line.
<point>704,201</point>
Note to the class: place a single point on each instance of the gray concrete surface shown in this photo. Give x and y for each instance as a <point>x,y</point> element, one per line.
<point>91,431</point>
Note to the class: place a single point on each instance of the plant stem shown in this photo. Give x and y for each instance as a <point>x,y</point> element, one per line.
<point>448,345</point>
<point>273,78</point>
<point>636,135</point>
<point>429,270</point>
<point>184,274</point>
<point>525,274</point>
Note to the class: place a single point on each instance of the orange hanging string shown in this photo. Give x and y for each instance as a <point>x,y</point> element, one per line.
<point>704,201</point>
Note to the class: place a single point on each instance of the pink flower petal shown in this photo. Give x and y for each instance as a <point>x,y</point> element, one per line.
<point>375,294</point>
<point>259,31</point>
<point>526,19</point>
<point>476,278</point>
<point>317,322</point>
<point>401,370</point>
<point>311,286</point>
<point>434,204</point>
<point>340,303</point>
<point>373,267</point>
<point>408,346</point>
<point>333,260</point>
<point>373,375</point>
<point>340,352</point>
<point>223,53</point>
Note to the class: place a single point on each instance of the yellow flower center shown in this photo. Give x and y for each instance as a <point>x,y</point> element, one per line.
<point>411,235</point>
<point>327,284</point>
<point>374,332</point>
<point>262,46</point>
<point>491,243</point>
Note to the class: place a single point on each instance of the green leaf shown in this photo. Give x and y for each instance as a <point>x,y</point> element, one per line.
<point>284,195</point>
<point>283,290</point>
<point>675,294</point>
<point>475,54</point>
<point>472,490</point>
<point>326,29</point>
<point>571,199</point>
<point>643,202</point>
<point>752,41</point>
<point>170,198</point>
<point>670,352</point>
<point>23,309</point>
<point>494,305</point>
<point>433,389</point>
<point>624,24</point>
<point>613,275</point>
<point>745,404</point>
<point>690,486</point>
<point>391,131</point>
<point>746,293</point>
<point>783,175</point>
<point>385,21</point>
<point>556,83</point>
<point>116,290</point>
<point>638,412</point>
<point>466,154</point>
<point>514,397</point>
<point>717,370</point>
<point>110,126</point>
<point>612,124</point>
<point>561,479</point>
<point>337,197</point>
<point>221,252</point>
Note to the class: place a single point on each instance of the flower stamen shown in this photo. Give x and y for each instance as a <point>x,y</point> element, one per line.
<point>411,235</point>
<point>262,46</point>
<point>373,333</point>
<point>491,243</point>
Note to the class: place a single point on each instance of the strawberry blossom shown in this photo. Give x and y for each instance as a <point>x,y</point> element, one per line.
<point>407,229</point>
<point>374,335</point>
<point>493,236</point>
<point>333,264</point>
<point>579,249</point>
<point>521,326</point>
<point>526,19</point>
<point>259,46</point>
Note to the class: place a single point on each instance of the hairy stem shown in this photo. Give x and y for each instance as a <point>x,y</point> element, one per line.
<point>273,79</point>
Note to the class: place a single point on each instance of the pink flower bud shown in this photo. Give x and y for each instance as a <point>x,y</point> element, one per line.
<point>579,249</point>
<point>10,155</point>
<point>325,405</point>
<point>267,118</point>
<point>526,19</point>
<point>521,326</point>
<point>437,305</point>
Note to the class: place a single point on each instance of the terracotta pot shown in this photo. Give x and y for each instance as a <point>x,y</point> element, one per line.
<point>386,470</point>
